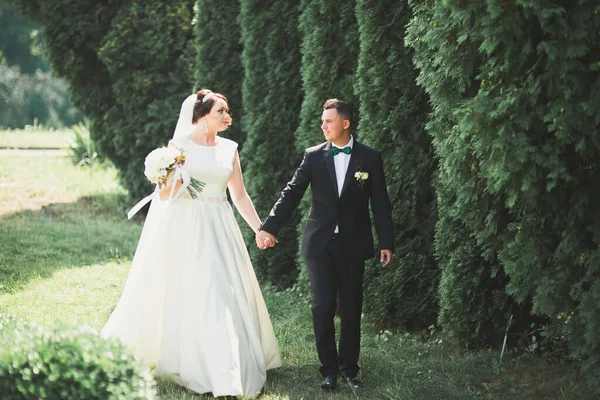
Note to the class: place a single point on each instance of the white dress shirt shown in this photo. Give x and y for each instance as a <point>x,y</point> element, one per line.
<point>341,162</point>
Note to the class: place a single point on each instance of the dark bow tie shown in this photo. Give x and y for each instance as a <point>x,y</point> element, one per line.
<point>337,150</point>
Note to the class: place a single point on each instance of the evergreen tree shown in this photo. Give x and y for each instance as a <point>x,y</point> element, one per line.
<point>218,56</point>
<point>526,127</point>
<point>271,97</point>
<point>473,304</point>
<point>129,66</point>
<point>329,58</point>
<point>393,113</point>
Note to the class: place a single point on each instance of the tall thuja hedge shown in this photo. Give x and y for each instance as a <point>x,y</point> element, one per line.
<point>533,125</point>
<point>271,96</point>
<point>218,56</point>
<point>393,112</point>
<point>472,217</point>
<point>130,67</point>
<point>329,58</point>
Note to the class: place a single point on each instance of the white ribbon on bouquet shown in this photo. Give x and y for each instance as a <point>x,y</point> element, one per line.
<point>179,174</point>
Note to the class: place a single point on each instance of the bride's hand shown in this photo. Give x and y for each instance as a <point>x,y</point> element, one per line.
<point>165,191</point>
<point>265,240</point>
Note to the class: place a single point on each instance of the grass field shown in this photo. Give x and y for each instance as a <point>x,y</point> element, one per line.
<point>66,246</point>
<point>35,137</point>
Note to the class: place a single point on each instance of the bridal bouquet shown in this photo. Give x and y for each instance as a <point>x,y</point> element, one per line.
<point>163,165</point>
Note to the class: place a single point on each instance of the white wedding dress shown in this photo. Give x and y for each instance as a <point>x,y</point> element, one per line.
<point>191,305</point>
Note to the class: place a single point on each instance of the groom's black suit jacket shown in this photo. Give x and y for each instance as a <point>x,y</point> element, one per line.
<point>350,210</point>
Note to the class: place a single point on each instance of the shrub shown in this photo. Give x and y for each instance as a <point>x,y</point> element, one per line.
<point>67,363</point>
<point>82,149</point>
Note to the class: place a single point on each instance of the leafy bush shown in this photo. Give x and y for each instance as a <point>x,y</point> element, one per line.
<point>66,363</point>
<point>82,149</point>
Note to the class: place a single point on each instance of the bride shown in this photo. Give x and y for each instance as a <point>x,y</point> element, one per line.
<point>191,305</point>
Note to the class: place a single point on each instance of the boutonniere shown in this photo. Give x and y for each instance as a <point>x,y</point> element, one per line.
<point>361,177</point>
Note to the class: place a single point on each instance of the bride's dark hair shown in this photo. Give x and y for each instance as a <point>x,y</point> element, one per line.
<point>201,108</point>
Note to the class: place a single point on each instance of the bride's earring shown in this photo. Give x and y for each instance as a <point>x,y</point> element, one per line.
<point>205,127</point>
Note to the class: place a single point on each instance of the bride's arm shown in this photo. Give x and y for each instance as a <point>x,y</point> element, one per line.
<point>165,192</point>
<point>240,197</point>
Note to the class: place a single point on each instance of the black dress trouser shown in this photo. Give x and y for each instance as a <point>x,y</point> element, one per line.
<point>333,276</point>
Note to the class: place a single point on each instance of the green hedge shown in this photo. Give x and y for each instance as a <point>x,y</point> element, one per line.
<point>65,363</point>
<point>473,303</point>
<point>271,101</point>
<point>329,56</point>
<point>515,88</point>
<point>218,64</point>
<point>393,112</point>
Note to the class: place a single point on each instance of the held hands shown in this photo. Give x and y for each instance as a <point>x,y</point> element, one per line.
<point>265,240</point>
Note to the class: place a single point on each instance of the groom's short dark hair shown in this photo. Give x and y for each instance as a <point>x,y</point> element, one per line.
<point>342,108</point>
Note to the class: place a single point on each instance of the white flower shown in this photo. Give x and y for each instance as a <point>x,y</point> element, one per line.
<point>361,176</point>
<point>158,162</point>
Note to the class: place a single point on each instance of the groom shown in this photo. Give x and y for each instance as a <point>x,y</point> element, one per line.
<point>344,175</point>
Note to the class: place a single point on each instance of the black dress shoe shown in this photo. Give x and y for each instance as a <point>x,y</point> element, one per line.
<point>330,382</point>
<point>351,380</point>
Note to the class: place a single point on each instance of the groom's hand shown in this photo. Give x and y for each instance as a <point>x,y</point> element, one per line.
<point>385,258</point>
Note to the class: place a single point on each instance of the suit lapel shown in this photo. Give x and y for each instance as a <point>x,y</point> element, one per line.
<point>328,156</point>
<point>351,166</point>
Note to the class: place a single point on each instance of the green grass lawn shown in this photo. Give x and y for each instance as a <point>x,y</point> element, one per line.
<point>66,247</point>
<point>35,138</point>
